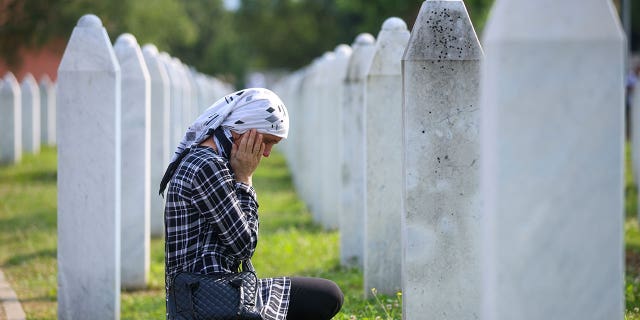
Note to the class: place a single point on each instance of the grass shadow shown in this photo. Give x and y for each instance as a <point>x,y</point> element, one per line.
<point>19,259</point>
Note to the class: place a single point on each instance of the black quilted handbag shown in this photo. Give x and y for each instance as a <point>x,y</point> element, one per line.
<point>221,296</point>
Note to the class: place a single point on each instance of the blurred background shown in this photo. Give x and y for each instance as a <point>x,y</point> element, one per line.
<point>242,42</point>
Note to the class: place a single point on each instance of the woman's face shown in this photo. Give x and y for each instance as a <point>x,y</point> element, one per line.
<point>269,141</point>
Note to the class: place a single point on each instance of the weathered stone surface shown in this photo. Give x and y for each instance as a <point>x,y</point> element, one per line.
<point>11,120</point>
<point>441,219</point>
<point>383,170</point>
<point>330,124</point>
<point>88,115</point>
<point>136,180</point>
<point>30,114</point>
<point>352,160</point>
<point>47,111</point>
<point>160,150</point>
<point>552,155</point>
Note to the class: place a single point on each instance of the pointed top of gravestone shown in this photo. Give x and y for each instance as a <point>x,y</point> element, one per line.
<point>327,56</point>
<point>9,77</point>
<point>150,49</point>
<point>45,80</point>
<point>126,39</point>
<point>164,55</point>
<point>517,20</point>
<point>29,80</point>
<point>394,23</point>
<point>391,44</point>
<point>342,51</point>
<point>443,31</point>
<point>10,84</point>
<point>363,39</point>
<point>130,57</point>
<point>89,20</point>
<point>89,48</point>
<point>363,49</point>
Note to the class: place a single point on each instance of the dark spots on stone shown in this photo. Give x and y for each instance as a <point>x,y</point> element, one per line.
<point>473,162</point>
<point>422,131</point>
<point>462,194</point>
<point>446,157</point>
<point>438,159</point>
<point>424,68</point>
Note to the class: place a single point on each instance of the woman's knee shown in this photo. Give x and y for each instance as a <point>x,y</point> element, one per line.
<point>319,297</point>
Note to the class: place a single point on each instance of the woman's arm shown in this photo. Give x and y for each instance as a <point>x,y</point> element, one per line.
<point>229,206</point>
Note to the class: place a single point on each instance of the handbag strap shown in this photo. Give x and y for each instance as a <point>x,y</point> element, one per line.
<point>245,265</point>
<point>191,287</point>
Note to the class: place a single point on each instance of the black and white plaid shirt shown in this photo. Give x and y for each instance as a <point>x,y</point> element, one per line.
<point>212,223</point>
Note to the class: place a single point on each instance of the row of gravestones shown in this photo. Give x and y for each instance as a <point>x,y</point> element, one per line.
<point>482,181</point>
<point>121,109</point>
<point>27,116</point>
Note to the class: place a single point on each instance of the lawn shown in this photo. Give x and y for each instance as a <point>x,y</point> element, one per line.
<point>290,243</point>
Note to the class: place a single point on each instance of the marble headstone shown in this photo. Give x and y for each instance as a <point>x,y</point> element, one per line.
<point>383,170</point>
<point>441,203</point>
<point>552,156</point>
<point>88,115</point>
<point>30,114</point>
<point>11,120</point>
<point>136,179</point>
<point>353,153</point>
<point>160,151</point>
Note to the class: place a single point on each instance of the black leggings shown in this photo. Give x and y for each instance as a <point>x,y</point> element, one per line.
<point>314,299</point>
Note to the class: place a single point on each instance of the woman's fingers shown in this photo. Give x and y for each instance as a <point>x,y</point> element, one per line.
<point>257,144</point>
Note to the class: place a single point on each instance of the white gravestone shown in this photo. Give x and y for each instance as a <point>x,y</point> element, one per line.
<point>44,109</point>
<point>326,98</point>
<point>383,168</point>
<point>352,158</point>
<point>330,125</point>
<point>552,156</point>
<point>300,112</point>
<point>136,179</point>
<point>47,111</point>
<point>160,151</point>
<point>313,191</point>
<point>88,115</point>
<point>186,102</point>
<point>30,114</point>
<point>11,120</point>
<point>175,113</point>
<point>441,203</point>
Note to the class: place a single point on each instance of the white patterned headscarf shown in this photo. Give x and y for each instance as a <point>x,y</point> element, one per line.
<point>252,108</point>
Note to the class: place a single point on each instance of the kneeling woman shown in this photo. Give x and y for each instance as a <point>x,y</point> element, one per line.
<point>211,211</point>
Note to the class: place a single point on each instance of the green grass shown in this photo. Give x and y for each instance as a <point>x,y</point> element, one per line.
<point>290,243</point>
<point>632,242</point>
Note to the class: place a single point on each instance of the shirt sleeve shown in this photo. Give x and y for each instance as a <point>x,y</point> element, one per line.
<point>230,207</point>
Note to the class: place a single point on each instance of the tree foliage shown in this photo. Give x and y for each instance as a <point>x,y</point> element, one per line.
<point>260,34</point>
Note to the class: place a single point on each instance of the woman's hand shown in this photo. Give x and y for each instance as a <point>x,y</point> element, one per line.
<point>246,155</point>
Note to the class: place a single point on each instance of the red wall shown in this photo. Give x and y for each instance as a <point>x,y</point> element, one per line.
<point>38,62</point>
